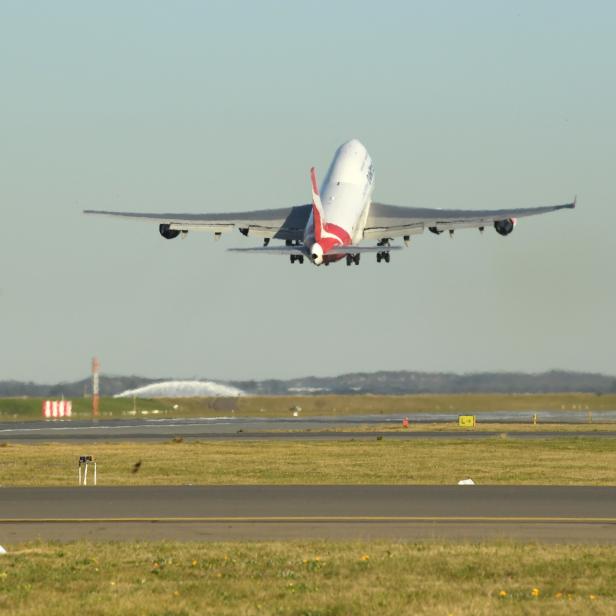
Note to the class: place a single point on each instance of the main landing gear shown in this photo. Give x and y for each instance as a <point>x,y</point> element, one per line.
<point>294,258</point>
<point>352,259</point>
<point>385,254</point>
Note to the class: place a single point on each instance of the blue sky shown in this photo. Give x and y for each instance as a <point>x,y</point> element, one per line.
<point>216,106</point>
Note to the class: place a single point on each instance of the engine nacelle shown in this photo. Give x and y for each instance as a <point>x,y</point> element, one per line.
<point>505,227</point>
<point>168,233</point>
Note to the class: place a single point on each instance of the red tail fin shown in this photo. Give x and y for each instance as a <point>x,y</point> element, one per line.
<point>317,207</point>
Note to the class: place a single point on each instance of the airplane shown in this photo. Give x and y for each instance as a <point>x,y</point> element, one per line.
<point>341,215</point>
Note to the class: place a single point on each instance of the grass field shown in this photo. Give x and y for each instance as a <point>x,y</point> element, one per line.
<point>282,406</point>
<point>575,461</point>
<point>312,578</point>
<point>452,426</point>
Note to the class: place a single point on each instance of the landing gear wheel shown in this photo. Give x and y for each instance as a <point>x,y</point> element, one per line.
<point>300,258</point>
<point>349,260</point>
<point>356,259</point>
<point>378,257</point>
<point>386,256</point>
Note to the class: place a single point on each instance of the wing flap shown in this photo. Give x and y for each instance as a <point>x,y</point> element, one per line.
<point>379,232</point>
<point>216,228</point>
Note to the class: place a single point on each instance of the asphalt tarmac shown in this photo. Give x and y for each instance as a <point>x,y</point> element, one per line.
<point>217,513</point>
<point>238,429</point>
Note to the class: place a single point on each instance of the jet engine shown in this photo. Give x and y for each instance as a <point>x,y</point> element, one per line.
<point>505,227</point>
<point>168,233</point>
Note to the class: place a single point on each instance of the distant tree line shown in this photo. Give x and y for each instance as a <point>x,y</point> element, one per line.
<point>401,382</point>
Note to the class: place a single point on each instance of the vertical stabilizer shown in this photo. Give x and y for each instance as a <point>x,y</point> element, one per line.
<point>317,207</point>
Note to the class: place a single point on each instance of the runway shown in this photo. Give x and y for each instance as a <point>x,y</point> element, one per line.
<point>242,429</point>
<point>216,513</point>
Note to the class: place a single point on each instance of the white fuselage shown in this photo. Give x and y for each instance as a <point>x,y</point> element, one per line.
<point>346,194</point>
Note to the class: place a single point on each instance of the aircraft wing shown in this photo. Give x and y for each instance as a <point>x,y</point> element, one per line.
<point>395,221</point>
<point>285,223</point>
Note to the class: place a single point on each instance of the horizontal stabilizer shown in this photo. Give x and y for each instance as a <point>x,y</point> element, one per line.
<point>302,250</point>
<point>355,250</point>
<point>274,250</point>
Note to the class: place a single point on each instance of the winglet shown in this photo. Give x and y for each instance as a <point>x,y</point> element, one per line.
<point>317,207</point>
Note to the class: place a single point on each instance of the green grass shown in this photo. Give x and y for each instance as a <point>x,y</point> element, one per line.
<point>31,408</point>
<point>282,406</point>
<point>569,461</point>
<point>452,426</point>
<point>308,578</point>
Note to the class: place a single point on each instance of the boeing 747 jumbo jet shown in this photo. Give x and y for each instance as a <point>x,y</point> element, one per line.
<point>341,215</point>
